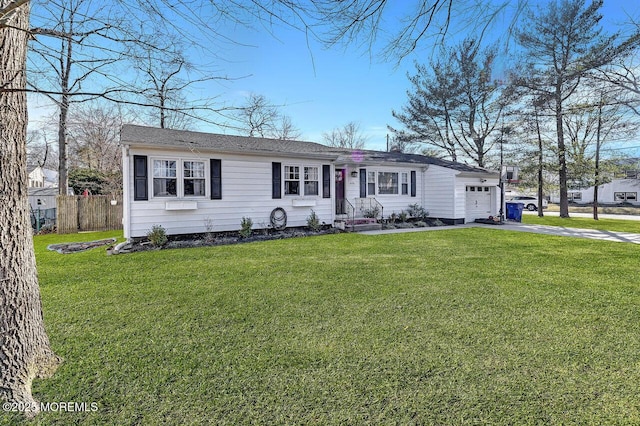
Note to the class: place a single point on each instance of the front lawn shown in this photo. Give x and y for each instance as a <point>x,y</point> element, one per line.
<point>465,326</point>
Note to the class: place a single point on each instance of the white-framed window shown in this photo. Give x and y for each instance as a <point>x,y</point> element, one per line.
<point>194,178</point>
<point>405,183</point>
<point>311,180</point>
<point>625,196</point>
<point>179,178</point>
<point>574,196</point>
<point>387,183</point>
<point>291,180</point>
<point>301,180</point>
<point>165,178</point>
<point>371,183</point>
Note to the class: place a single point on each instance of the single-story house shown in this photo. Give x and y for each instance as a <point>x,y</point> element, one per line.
<point>617,191</point>
<point>192,182</point>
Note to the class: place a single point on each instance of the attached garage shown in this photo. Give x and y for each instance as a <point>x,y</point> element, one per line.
<point>479,202</point>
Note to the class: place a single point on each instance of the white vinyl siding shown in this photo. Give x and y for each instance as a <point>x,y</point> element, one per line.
<point>246,188</point>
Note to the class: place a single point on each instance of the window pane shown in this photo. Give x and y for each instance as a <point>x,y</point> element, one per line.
<point>291,187</point>
<point>618,196</point>
<point>291,172</point>
<point>194,187</point>
<point>163,187</point>
<point>387,183</point>
<point>311,188</point>
<point>164,168</point>
<point>310,173</point>
<point>631,196</point>
<point>193,169</point>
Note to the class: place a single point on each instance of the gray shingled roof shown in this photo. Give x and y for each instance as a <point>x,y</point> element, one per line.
<point>399,157</point>
<point>134,135</point>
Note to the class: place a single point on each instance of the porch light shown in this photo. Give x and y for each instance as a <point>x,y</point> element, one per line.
<point>354,173</point>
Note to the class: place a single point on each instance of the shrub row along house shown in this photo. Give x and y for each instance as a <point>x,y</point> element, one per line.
<point>191,182</point>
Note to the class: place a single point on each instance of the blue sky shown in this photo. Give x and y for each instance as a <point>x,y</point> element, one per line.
<point>321,89</point>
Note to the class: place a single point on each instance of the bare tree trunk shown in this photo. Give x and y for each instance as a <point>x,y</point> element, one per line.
<point>63,167</point>
<point>562,156</point>
<point>25,352</point>
<point>596,184</point>
<point>540,166</point>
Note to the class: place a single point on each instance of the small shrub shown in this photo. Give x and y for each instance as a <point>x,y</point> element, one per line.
<point>373,212</point>
<point>393,217</point>
<point>417,211</point>
<point>209,236</point>
<point>245,227</point>
<point>403,215</point>
<point>157,236</point>
<point>313,222</point>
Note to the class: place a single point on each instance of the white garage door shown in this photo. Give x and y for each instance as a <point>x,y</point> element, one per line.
<point>478,203</point>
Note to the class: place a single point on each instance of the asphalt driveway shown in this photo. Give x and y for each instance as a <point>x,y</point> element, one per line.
<point>621,237</point>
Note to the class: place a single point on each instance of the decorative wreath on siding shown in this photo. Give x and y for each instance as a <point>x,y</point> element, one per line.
<point>278,219</point>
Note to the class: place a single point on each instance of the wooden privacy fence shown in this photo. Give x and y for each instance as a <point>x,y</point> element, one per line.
<point>92,213</point>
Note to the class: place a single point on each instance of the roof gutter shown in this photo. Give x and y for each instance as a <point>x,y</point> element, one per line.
<point>312,155</point>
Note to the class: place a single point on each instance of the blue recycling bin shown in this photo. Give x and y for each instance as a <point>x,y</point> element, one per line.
<point>514,211</point>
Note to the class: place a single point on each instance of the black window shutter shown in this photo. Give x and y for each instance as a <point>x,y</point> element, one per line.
<point>363,183</point>
<point>216,178</point>
<point>140,186</point>
<point>413,183</point>
<point>326,181</point>
<point>276,178</point>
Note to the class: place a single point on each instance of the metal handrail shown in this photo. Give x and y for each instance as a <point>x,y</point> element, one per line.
<point>368,204</point>
<point>352,215</point>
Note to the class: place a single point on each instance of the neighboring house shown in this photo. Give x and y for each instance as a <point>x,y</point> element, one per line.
<point>43,206</point>
<point>40,177</point>
<point>615,192</point>
<point>36,176</point>
<point>42,198</point>
<point>190,182</point>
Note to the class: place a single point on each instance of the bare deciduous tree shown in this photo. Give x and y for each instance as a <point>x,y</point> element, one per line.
<point>348,136</point>
<point>94,135</point>
<point>260,118</point>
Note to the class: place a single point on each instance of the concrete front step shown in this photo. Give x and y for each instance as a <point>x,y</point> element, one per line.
<point>358,224</point>
<point>367,227</point>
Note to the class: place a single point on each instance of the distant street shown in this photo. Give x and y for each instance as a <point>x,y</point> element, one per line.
<point>590,215</point>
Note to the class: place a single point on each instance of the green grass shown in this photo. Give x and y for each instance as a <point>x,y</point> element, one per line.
<point>467,326</point>
<point>585,223</point>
